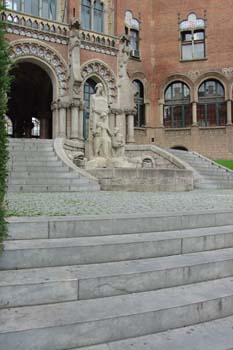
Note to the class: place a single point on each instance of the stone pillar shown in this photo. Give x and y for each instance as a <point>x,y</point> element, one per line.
<point>161,104</point>
<point>43,128</point>
<point>194,113</point>
<point>121,122</point>
<point>80,121</point>
<point>54,108</point>
<point>74,120</point>
<point>62,107</point>
<point>229,112</point>
<point>130,128</point>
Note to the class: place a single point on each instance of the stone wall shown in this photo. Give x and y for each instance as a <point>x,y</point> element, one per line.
<point>143,180</point>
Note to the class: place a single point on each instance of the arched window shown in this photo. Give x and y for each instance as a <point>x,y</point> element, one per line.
<point>36,127</point>
<point>139,120</point>
<point>192,33</point>
<point>92,15</point>
<point>98,16</point>
<point>177,108</point>
<point>89,89</point>
<point>8,126</point>
<point>132,28</point>
<point>211,104</point>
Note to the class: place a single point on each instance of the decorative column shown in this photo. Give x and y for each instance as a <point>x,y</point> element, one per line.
<point>62,107</point>
<point>130,127</point>
<point>194,113</point>
<point>75,120</point>
<point>229,112</point>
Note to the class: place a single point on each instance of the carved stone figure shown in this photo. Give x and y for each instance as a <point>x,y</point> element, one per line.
<point>74,49</point>
<point>102,138</point>
<point>98,105</point>
<point>118,144</point>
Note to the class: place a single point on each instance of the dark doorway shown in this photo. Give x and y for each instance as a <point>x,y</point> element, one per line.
<point>29,106</point>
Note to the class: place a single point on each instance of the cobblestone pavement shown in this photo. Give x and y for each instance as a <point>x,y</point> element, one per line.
<point>101,203</point>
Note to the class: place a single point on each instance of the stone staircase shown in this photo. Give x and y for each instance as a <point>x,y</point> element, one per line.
<point>34,167</point>
<point>118,283</point>
<point>212,175</point>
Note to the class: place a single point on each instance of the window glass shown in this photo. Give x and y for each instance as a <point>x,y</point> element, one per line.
<point>134,40</point>
<point>187,52</point>
<point>35,8</point>
<point>139,119</point>
<point>186,36</point>
<point>98,16</point>
<point>13,4</point>
<point>86,14</point>
<point>199,35</point>
<point>199,50</point>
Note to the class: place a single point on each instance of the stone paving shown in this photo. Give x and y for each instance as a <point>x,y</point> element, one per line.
<point>101,203</point>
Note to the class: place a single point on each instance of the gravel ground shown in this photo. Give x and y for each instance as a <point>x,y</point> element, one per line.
<point>101,203</point>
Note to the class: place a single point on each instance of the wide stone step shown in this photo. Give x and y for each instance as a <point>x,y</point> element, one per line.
<point>32,158</point>
<point>53,188</point>
<point>48,174</point>
<point>81,323</point>
<point>69,283</point>
<point>163,225</point>
<point>48,181</point>
<point>35,169</point>
<point>212,335</point>
<point>43,162</point>
<point>30,253</point>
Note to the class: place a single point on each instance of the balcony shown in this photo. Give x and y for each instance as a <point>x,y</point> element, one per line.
<point>99,42</point>
<point>35,27</point>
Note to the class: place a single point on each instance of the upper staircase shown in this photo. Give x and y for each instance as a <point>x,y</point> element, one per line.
<point>211,175</point>
<point>34,167</point>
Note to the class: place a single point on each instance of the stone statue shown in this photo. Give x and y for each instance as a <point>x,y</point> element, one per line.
<point>98,105</point>
<point>102,138</point>
<point>118,144</point>
<point>74,50</point>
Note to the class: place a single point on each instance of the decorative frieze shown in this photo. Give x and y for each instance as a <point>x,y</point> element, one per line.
<point>193,75</point>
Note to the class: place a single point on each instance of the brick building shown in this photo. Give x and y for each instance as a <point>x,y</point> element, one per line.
<point>180,65</point>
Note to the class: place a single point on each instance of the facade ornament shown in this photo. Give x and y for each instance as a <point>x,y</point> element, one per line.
<point>228,71</point>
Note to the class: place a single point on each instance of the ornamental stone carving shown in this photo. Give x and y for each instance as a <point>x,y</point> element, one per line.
<point>228,71</point>
<point>193,75</point>
<point>32,48</point>
<point>100,69</point>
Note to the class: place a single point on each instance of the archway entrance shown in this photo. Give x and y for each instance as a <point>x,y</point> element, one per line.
<point>30,98</point>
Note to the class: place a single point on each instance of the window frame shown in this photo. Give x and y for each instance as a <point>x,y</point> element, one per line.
<point>193,43</point>
<point>171,105</point>
<point>39,13</point>
<point>94,20</point>
<point>140,117</point>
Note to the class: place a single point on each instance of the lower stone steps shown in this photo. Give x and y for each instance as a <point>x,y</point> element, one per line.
<point>30,253</point>
<point>212,335</point>
<point>90,322</point>
<point>53,188</point>
<point>81,282</point>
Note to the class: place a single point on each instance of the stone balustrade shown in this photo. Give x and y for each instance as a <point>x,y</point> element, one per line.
<point>35,27</point>
<point>99,42</point>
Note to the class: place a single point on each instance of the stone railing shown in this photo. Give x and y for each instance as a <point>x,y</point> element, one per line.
<point>35,27</point>
<point>99,42</point>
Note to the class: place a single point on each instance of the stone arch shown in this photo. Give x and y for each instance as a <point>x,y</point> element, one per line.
<point>102,72</point>
<point>47,58</point>
<point>211,75</point>
<point>180,148</point>
<point>177,77</point>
